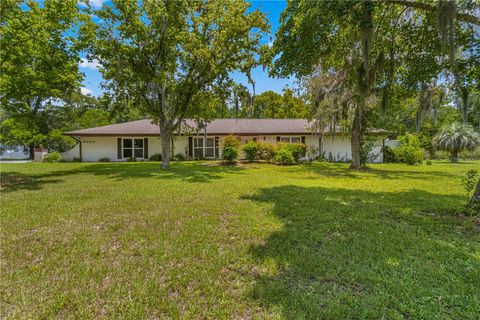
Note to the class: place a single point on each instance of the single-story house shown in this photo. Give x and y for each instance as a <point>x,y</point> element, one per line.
<point>140,139</point>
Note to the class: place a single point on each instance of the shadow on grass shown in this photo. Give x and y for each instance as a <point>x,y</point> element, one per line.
<point>342,170</point>
<point>188,171</point>
<point>344,254</point>
<point>12,181</point>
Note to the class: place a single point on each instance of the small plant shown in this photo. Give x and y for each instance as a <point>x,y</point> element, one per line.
<point>179,157</point>
<point>296,149</point>
<point>104,159</point>
<point>429,162</point>
<point>366,148</point>
<point>313,153</point>
<point>230,148</point>
<point>229,154</point>
<point>409,151</point>
<point>157,157</point>
<point>76,159</point>
<point>252,150</point>
<point>132,159</point>
<point>267,151</point>
<point>389,155</point>
<point>469,181</point>
<point>53,157</point>
<point>284,157</point>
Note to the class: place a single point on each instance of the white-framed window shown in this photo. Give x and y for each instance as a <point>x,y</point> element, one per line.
<point>203,151</point>
<point>133,148</point>
<point>291,139</point>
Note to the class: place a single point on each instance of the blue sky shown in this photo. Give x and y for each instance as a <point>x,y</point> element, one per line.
<point>272,9</point>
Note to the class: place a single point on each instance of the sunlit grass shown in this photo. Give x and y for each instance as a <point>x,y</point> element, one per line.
<point>127,240</point>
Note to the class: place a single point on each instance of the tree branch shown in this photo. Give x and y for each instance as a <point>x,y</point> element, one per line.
<point>428,7</point>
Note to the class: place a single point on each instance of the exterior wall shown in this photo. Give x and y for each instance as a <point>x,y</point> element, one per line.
<point>180,145</point>
<point>72,153</point>
<point>338,147</point>
<point>94,148</point>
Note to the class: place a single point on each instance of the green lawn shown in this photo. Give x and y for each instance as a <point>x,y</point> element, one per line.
<point>126,240</point>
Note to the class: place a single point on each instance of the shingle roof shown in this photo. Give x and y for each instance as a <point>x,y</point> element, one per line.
<point>218,126</point>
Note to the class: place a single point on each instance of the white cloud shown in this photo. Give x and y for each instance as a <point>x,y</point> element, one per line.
<point>86,91</point>
<point>89,64</point>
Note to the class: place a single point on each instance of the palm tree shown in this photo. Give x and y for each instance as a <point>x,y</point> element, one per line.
<point>455,138</point>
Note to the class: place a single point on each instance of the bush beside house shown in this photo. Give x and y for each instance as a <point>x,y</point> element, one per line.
<point>230,148</point>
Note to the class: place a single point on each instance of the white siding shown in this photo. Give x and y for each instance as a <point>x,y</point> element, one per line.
<point>94,148</point>
<point>69,155</point>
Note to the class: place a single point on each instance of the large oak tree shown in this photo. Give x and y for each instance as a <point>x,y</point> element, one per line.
<point>163,56</point>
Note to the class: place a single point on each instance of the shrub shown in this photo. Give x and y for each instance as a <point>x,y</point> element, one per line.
<point>409,150</point>
<point>104,159</point>
<point>132,159</point>
<point>252,150</point>
<point>155,157</point>
<point>267,151</point>
<point>230,154</point>
<point>429,162</point>
<point>230,148</point>
<point>76,159</point>
<point>389,155</point>
<point>365,151</point>
<point>284,157</point>
<point>231,141</point>
<point>296,149</point>
<point>53,157</point>
<point>179,157</point>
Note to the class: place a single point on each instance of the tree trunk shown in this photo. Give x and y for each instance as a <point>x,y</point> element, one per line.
<point>474,202</point>
<point>356,139</point>
<point>31,150</point>
<point>165,136</point>
<point>454,157</point>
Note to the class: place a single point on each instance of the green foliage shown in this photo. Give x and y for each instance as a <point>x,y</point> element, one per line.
<point>252,150</point>
<point>230,148</point>
<point>469,181</point>
<point>365,151</point>
<point>39,75</point>
<point>296,149</point>
<point>132,159</point>
<point>267,151</point>
<point>104,159</point>
<point>230,141</point>
<point>428,162</point>
<point>53,157</point>
<point>409,150</point>
<point>167,56</point>
<point>456,138</point>
<point>229,154</point>
<point>272,105</point>
<point>284,156</point>
<point>179,157</point>
<point>389,155</point>
<point>157,157</point>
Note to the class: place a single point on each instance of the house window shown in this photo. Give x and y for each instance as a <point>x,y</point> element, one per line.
<point>201,151</point>
<point>291,139</point>
<point>133,148</point>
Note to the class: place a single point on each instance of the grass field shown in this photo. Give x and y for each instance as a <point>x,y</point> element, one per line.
<point>126,240</point>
